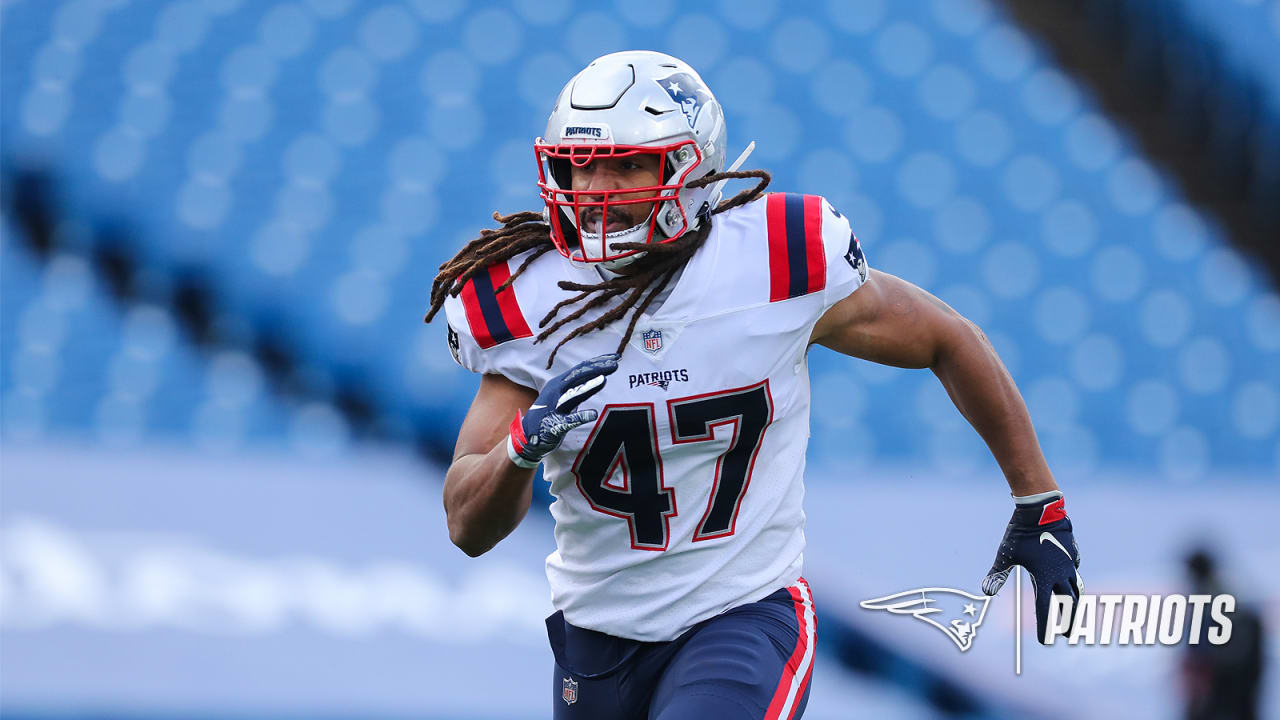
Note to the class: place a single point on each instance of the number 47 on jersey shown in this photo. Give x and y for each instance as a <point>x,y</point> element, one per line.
<point>625,437</point>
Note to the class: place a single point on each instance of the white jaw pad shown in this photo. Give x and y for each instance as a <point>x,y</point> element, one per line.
<point>610,238</point>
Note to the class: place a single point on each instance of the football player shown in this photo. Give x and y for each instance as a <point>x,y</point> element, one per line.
<point>655,366</point>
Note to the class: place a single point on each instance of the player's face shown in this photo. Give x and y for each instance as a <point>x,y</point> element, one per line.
<point>609,173</point>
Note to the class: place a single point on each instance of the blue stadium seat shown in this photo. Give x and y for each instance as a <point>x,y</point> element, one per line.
<point>319,160</point>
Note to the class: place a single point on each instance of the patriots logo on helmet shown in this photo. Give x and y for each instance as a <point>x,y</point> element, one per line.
<point>955,612</point>
<point>688,93</point>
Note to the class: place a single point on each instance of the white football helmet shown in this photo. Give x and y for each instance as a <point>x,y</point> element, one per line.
<point>630,103</point>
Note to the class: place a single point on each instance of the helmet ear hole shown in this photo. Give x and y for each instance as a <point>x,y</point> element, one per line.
<point>569,230</point>
<point>560,172</point>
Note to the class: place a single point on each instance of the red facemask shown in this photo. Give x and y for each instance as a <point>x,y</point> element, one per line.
<point>554,177</point>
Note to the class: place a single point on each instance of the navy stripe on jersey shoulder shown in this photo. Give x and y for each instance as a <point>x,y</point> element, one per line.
<point>797,260</point>
<point>488,300</point>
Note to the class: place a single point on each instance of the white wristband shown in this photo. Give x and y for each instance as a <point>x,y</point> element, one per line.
<point>1038,497</point>
<point>515,457</point>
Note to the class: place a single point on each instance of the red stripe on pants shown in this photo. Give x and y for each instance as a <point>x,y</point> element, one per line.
<point>793,663</point>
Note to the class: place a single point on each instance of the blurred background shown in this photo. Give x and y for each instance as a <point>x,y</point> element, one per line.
<point>224,427</point>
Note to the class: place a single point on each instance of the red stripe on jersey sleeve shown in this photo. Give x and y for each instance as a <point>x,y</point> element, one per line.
<point>498,274</point>
<point>815,251</point>
<point>775,211</point>
<point>475,316</point>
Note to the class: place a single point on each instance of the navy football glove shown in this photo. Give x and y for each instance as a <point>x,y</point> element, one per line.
<point>1039,539</point>
<point>536,433</point>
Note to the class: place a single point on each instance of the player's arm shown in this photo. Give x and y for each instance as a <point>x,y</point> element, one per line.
<point>485,494</point>
<point>506,433</point>
<point>892,322</point>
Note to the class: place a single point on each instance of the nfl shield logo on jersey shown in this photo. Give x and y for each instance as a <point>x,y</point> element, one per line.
<point>652,340</point>
<point>569,691</point>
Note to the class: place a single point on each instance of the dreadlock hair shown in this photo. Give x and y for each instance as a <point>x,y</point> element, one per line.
<point>526,231</point>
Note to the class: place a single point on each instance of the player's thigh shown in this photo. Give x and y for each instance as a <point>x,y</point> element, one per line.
<point>736,680</point>
<point>752,662</point>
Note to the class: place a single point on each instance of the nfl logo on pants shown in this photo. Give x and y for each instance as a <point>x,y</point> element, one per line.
<point>569,691</point>
<point>652,340</point>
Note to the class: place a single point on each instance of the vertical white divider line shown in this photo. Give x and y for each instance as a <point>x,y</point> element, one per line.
<point>1017,621</point>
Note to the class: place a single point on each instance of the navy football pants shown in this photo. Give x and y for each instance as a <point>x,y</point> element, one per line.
<point>753,661</point>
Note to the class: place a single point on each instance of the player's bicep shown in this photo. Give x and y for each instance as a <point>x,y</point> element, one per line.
<point>495,404</point>
<point>888,321</point>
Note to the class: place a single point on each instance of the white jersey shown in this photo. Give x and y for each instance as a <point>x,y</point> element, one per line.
<point>683,499</point>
